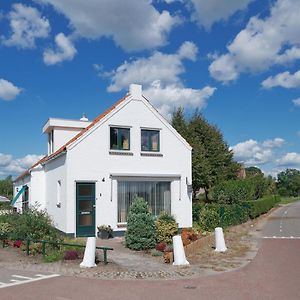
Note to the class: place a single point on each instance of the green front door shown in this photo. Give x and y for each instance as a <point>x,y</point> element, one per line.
<point>85,209</point>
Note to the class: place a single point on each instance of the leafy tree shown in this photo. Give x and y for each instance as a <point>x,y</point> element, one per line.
<point>140,232</point>
<point>288,182</point>
<point>6,187</point>
<point>212,161</point>
<point>252,171</point>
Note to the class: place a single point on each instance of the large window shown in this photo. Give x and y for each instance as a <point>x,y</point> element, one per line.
<point>119,138</point>
<point>156,193</point>
<point>150,140</point>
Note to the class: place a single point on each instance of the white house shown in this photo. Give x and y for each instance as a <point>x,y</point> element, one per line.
<point>94,169</point>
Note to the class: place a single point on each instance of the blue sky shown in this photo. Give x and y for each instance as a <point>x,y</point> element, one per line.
<point>237,61</point>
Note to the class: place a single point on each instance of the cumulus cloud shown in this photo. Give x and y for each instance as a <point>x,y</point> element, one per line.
<point>206,13</point>
<point>65,50</point>
<point>133,25</point>
<point>252,152</point>
<point>8,91</point>
<point>11,166</point>
<point>297,102</point>
<point>160,76</point>
<point>159,66</point>
<point>172,96</point>
<point>285,80</point>
<point>263,43</point>
<point>289,160</point>
<point>26,25</point>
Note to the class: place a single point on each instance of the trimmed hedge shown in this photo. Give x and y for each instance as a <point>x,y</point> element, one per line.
<point>210,216</point>
<point>261,206</point>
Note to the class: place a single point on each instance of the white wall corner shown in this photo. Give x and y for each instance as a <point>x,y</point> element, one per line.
<point>135,90</point>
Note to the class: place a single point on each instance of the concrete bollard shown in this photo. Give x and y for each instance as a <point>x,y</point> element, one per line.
<point>89,253</point>
<point>220,242</point>
<point>178,251</point>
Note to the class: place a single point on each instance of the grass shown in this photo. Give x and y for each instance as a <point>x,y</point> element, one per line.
<point>287,200</point>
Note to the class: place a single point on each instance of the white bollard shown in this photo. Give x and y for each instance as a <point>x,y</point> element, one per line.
<point>178,251</point>
<point>220,242</point>
<point>89,253</point>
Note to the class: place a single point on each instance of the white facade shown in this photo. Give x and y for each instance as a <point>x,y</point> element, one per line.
<point>88,158</point>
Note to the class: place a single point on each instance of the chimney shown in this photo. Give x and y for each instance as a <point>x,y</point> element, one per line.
<point>135,90</point>
<point>84,118</point>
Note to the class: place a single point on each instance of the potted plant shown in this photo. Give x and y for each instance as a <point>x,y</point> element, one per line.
<point>105,231</point>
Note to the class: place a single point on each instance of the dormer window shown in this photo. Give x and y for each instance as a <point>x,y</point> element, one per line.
<point>150,140</point>
<point>119,138</point>
<point>50,142</point>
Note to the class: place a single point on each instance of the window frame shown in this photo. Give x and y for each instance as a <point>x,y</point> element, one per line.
<point>119,138</point>
<point>149,139</point>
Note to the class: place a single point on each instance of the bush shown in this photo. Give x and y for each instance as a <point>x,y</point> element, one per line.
<point>209,218</point>
<point>196,212</point>
<point>166,228</point>
<point>261,206</point>
<point>33,224</point>
<point>71,255</point>
<point>161,247</point>
<point>5,229</point>
<point>140,232</point>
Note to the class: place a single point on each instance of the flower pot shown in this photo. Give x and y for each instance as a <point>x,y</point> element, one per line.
<point>103,235</point>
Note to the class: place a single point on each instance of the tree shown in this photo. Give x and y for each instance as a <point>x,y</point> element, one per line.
<point>252,171</point>
<point>140,232</point>
<point>6,187</point>
<point>288,182</point>
<point>212,161</point>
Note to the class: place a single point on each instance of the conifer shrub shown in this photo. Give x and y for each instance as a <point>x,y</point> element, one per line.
<point>166,228</point>
<point>140,234</point>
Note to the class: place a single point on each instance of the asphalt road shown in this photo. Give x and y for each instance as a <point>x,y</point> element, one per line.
<point>273,274</point>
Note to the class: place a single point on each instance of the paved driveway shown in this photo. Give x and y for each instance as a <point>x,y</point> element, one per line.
<point>273,274</point>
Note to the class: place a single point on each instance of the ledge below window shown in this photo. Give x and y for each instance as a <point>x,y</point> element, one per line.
<point>151,154</point>
<point>120,153</point>
<point>122,225</point>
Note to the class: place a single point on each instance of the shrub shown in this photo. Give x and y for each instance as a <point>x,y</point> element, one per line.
<point>155,252</point>
<point>209,218</point>
<point>33,224</point>
<point>53,256</point>
<point>166,228</point>
<point>232,191</point>
<point>196,212</point>
<point>71,255</point>
<point>188,236</point>
<point>140,232</point>
<point>161,247</point>
<point>5,229</point>
<point>261,206</point>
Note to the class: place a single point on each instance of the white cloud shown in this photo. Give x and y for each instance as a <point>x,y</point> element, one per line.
<point>285,80</point>
<point>297,102</point>
<point>291,160</point>
<point>65,50</point>
<point>159,66</point>
<point>11,166</point>
<point>263,43</point>
<point>206,13</point>
<point>27,25</point>
<point>8,91</point>
<point>166,99</point>
<point>252,152</point>
<point>133,25</point>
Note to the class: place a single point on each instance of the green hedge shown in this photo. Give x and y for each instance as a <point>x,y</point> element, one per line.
<point>261,206</point>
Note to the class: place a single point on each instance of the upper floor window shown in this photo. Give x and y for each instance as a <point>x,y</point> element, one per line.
<point>150,140</point>
<point>119,138</point>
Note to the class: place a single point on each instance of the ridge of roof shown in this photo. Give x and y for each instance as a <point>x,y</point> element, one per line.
<point>64,147</point>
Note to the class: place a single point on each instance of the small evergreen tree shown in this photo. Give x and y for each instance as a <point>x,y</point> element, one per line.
<point>140,232</point>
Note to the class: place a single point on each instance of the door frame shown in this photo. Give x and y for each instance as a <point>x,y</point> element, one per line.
<point>83,182</point>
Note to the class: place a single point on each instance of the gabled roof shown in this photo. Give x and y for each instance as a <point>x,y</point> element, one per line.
<point>64,147</point>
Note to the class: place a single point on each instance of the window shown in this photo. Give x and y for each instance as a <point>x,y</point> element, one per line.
<point>150,140</point>
<point>156,193</point>
<point>119,138</point>
<point>58,202</point>
<point>25,199</point>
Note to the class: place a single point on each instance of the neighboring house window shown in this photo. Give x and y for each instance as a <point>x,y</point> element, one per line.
<point>156,193</point>
<point>25,199</point>
<point>150,140</point>
<point>119,138</point>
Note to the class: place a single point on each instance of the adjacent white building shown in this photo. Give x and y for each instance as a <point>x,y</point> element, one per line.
<point>94,169</point>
